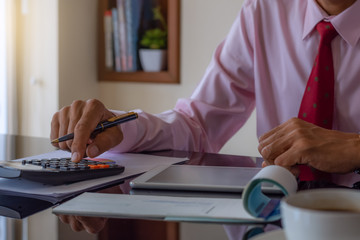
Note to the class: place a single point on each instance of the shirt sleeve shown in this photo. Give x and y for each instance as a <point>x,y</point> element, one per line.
<point>218,108</point>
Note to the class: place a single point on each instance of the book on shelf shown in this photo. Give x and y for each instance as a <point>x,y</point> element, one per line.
<point>133,18</point>
<point>109,61</point>
<point>116,40</point>
<point>122,34</point>
<point>123,30</point>
<point>129,36</point>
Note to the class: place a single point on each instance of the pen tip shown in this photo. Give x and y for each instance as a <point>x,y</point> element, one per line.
<point>55,141</point>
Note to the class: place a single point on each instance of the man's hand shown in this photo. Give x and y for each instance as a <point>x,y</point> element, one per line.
<point>81,118</point>
<point>92,225</point>
<point>299,142</point>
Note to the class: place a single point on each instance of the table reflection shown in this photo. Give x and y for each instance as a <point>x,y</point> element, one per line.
<point>13,147</point>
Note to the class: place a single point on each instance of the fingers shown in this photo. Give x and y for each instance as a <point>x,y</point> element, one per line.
<point>81,119</point>
<point>285,145</point>
<point>275,142</point>
<point>73,222</point>
<point>63,130</point>
<point>55,126</point>
<point>64,121</point>
<point>64,218</point>
<point>273,131</point>
<point>290,158</point>
<point>280,139</point>
<point>293,169</point>
<point>274,147</point>
<point>92,225</point>
<point>93,113</point>
<point>297,142</point>
<point>265,143</point>
<point>104,141</point>
<point>264,164</point>
<point>75,113</point>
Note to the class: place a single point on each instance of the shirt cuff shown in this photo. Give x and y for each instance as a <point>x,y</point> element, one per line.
<point>130,133</point>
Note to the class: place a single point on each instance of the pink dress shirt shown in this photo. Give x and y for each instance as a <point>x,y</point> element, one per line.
<point>263,63</point>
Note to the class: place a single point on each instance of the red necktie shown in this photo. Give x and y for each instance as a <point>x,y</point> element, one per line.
<point>317,105</point>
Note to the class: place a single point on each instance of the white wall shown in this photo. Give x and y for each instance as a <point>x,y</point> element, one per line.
<point>77,50</point>
<point>3,68</point>
<point>56,59</point>
<point>37,65</point>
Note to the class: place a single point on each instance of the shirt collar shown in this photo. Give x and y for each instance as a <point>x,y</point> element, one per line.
<point>346,23</point>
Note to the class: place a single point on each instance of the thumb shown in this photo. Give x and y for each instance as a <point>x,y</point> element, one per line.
<point>104,141</point>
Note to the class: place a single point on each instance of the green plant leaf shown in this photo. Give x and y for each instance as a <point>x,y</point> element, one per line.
<point>155,38</point>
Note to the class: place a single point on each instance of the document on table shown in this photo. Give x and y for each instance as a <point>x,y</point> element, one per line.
<point>193,209</point>
<point>134,164</point>
<point>253,206</point>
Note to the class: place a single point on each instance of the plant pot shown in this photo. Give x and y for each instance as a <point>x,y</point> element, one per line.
<point>153,60</point>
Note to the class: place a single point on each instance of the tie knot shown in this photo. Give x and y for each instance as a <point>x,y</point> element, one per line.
<point>326,31</point>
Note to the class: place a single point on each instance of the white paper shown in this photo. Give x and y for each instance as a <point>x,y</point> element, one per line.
<point>134,165</point>
<point>194,209</point>
<point>217,209</point>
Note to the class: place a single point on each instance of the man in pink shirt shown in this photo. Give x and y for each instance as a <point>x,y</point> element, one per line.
<point>264,62</point>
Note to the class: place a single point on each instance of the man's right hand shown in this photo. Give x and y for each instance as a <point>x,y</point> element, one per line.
<point>81,118</point>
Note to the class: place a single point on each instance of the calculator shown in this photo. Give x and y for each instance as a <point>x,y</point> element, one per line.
<point>56,171</point>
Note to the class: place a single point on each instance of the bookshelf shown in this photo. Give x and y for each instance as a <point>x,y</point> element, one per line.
<point>170,75</point>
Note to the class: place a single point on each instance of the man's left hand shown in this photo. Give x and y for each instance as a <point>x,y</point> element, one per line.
<point>298,142</point>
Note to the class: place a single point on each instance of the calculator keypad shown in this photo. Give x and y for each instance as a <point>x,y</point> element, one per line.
<point>65,164</point>
<point>56,171</point>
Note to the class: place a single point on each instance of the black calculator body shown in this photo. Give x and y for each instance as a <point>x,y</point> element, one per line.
<point>56,171</point>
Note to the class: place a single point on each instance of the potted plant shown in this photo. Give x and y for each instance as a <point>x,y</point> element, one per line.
<point>153,44</point>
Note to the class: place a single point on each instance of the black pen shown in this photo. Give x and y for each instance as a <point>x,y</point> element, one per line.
<point>102,126</point>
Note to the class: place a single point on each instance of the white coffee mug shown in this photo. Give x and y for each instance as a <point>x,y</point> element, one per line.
<point>322,214</point>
